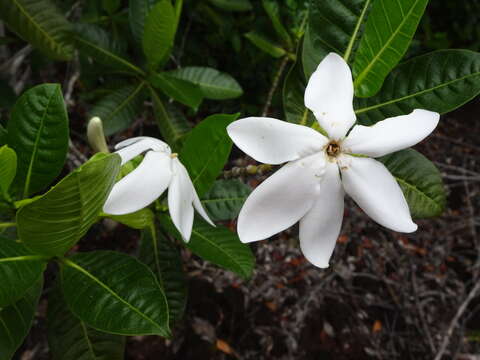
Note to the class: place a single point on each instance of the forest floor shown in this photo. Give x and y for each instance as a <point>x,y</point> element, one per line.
<point>385,296</point>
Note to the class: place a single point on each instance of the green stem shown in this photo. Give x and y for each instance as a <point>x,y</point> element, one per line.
<point>25,258</point>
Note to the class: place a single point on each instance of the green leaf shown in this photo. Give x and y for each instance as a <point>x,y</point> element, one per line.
<point>273,10</point>
<point>233,5</point>
<point>119,108</point>
<point>119,294</point>
<point>293,97</point>
<point>206,151</point>
<point>40,23</point>
<point>163,258</point>
<point>420,181</point>
<point>95,42</point>
<point>140,219</point>
<point>214,84</point>
<point>54,222</point>
<point>16,320</point>
<point>180,90</point>
<point>111,6</point>
<point>159,34</point>
<point>388,32</point>
<point>333,26</point>
<point>440,81</point>
<point>225,199</point>
<point>69,338</point>
<point>8,169</point>
<point>171,123</point>
<point>137,13</point>
<point>19,270</point>
<point>265,45</point>
<point>218,245</point>
<point>38,132</point>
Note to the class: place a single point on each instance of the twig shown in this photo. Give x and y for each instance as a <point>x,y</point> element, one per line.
<point>276,81</point>
<point>453,324</point>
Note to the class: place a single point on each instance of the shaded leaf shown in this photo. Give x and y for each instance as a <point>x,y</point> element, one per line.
<point>420,181</point>
<point>16,320</point>
<point>440,81</point>
<point>265,45</point>
<point>140,219</point>
<point>120,295</point>
<point>213,83</point>
<point>8,168</point>
<point>119,108</point>
<point>180,90</point>
<point>206,150</point>
<point>163,258</point>
<point>225,199</point>
<point>137,13</point>
<point>71,339</point>
<point>233,5</point>
<point>19,271</point>
<point>40,23</point>
<point>273,10</point>
<point>38,132</point>
<point>93,41</point>
<point>54,222</point>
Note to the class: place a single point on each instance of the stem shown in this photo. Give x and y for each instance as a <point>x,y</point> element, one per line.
<point>276,81</point>
<point>7,225</point>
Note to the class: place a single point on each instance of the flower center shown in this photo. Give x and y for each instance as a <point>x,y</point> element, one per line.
<point>333,149</point>
<point>174,155</point>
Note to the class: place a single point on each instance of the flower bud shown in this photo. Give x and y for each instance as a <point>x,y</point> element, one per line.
<point>95,135</point>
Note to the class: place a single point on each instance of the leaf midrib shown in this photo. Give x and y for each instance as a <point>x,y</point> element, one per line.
<point>349,49</point>
<point>87,339</point>
<point>417,190</point>
<point>113,293</point>
<point>126,101</point>
<point>367,69</point>
<point>204,168</point>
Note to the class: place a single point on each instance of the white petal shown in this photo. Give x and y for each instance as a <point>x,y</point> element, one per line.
<point>391,134</point>
<point>329,94</point>
<point>273,141</point>
<point>198,206</point>
<point>142,186</point>
<point>180,198</point>
<point>320,227</point>
<point>130,148</point>
<point>377,192</point>
<point>282,199</point>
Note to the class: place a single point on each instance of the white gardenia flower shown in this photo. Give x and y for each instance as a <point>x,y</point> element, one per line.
<point>310,188</point>
<point>159,170</point>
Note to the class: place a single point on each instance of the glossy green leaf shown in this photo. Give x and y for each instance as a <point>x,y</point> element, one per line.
<point>137,13</point>
<point>225,199</point>
<point>420,181</point>
<point>69,338</point>
<point>333,26</point>
<point>233,5</point>
<point>40,23</point>
<point>180,90</point>
<point>119,108</point>
<point>119,294</point>
<point>171,123</point>
<point>19,270</point>
<point>140,219</point>
<point>163,258</point>
<point>54,222</point>
<point>8,168</point>
<point>440,81</point>
<point>159,34</point>
<point>218,245</point>
<point>265,45</point>
<point>273,10</point>
<point>213,83</point>
<point>293,97</point>
<point>95,42</point>
<point>206,151</point>
<point>16,320</point>
<point>388,32</point>
<point>38,132</point>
